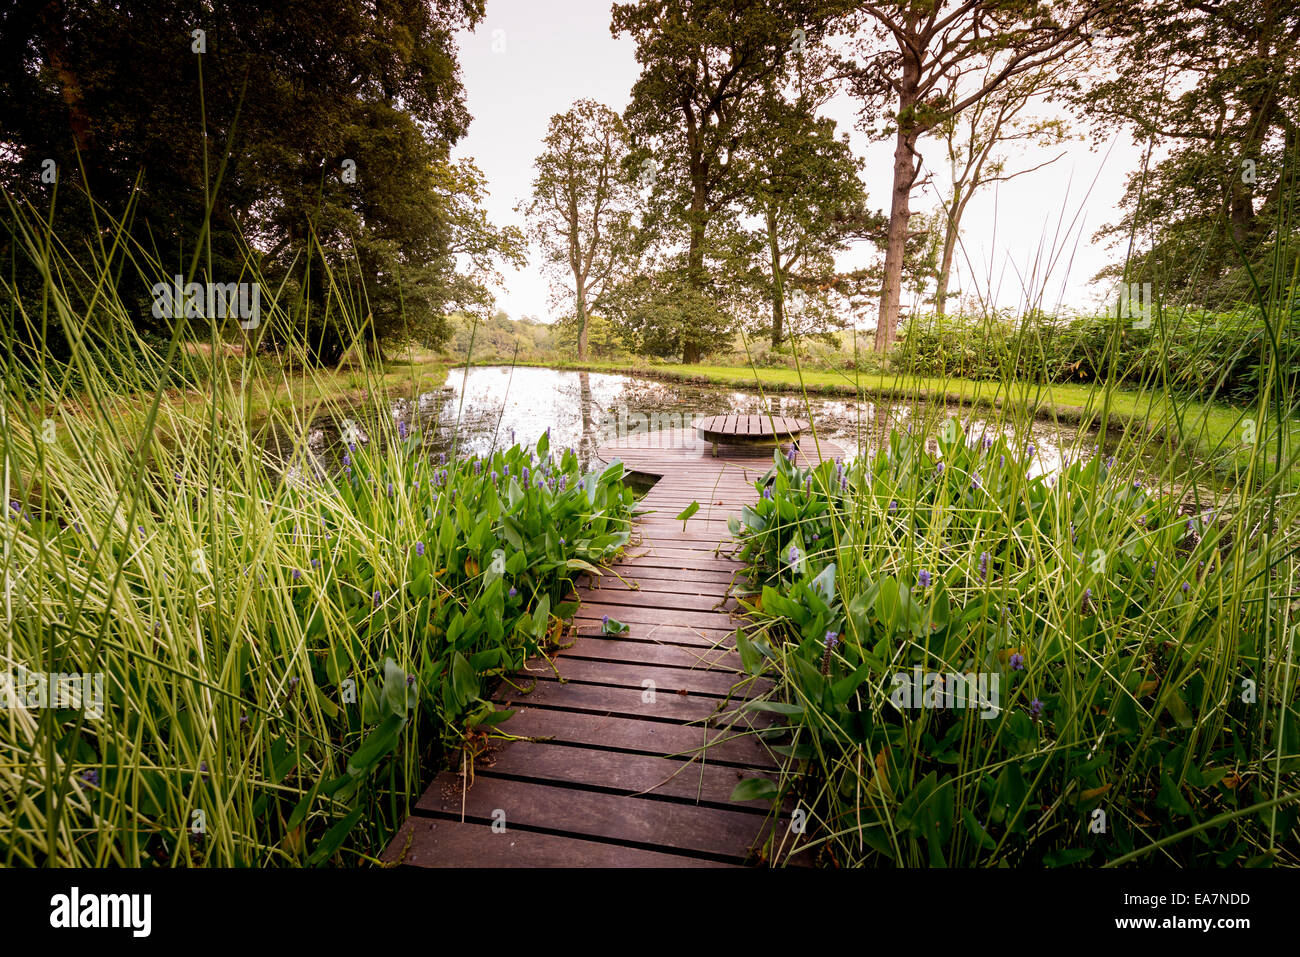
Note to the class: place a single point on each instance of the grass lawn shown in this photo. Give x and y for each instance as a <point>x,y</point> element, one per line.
<point>1214,431</point>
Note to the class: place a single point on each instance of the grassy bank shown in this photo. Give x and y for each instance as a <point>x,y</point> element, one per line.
<point>1212,432</point>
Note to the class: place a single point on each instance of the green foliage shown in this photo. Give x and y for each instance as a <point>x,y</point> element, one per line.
<point>1224,356</point>
<point>499,337</point>
<point>286,657</point>
<point>582,208</point>
<point>1220,193</point>
<point>292,638</point>
<point>663,315</point>
<point>1131,645</point>
<point>324,157</point>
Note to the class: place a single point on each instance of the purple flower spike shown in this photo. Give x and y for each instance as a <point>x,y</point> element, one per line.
<point>376,600</point>
<point>984,565</point>
<point>419,548</point>
<point>923,578</point>
<point>794,554</point>
<point>1017,662</point>
<point>513,591</point>
<point>832,639</point>
<point>402,430</point>
<point>297,574</point>
<point>1036,709</point>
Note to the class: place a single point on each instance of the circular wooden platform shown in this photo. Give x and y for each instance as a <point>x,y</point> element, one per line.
<point>747,429</point>
<point>742,427</point>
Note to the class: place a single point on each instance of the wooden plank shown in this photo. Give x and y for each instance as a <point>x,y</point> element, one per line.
<point>728,746</point>
<point>686,602</point>
<point>693,781</point>
<point>664,634</point>
<point>646,569</point>
<point>623,702</point>
<point>656,616</point>
<point>646,586</point>
<point>438,842</point>
<point>626,819</point>
<point>681,561</point>
<point>631,675</point>
<point>652,653</point>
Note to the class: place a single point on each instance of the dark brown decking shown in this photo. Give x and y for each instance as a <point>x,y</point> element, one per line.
<point>603,776</point>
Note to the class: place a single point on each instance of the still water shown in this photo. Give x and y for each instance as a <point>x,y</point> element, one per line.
<point>495,406</point>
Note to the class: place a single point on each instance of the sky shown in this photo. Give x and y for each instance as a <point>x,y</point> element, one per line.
<point>528,60</point>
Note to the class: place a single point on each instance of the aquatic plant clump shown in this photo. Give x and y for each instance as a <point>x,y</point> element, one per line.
<point>285,660</point>
<point>1137,665</point>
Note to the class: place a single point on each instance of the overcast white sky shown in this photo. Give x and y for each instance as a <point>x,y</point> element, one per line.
<point>529,60</point>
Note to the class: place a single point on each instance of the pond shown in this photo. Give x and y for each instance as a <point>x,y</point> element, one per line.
<point>494,406</point>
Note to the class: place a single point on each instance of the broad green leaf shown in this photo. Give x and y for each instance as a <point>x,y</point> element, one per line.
<point>754,789</point>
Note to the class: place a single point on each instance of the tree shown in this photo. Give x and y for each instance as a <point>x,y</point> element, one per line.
<point>1215,85</point>
<point>582,207</point>
<point>973,141</point>
<point>657,311</point>
<point>808,196</point>
<point>703,63</point>
<point>907,55</point>
<point>315,138</point>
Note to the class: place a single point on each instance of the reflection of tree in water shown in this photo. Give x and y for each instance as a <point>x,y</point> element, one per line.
<point>579,408</point>
<point>586,444</point>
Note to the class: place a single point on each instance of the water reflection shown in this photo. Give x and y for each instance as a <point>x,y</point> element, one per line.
<point>496,406</point>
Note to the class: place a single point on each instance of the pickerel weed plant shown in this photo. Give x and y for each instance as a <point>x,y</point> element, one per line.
<point>290,641</point>
<point>1139,660</point>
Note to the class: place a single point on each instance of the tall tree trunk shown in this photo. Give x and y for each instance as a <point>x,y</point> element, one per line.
<point>581,304</point>
<point>900,207</point>
<point>950,235</point>
<point>52,17</point>
<point>590,441</point>
<point>778,282</point>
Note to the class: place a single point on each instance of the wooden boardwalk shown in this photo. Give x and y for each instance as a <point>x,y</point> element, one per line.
<point>630,747</point>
